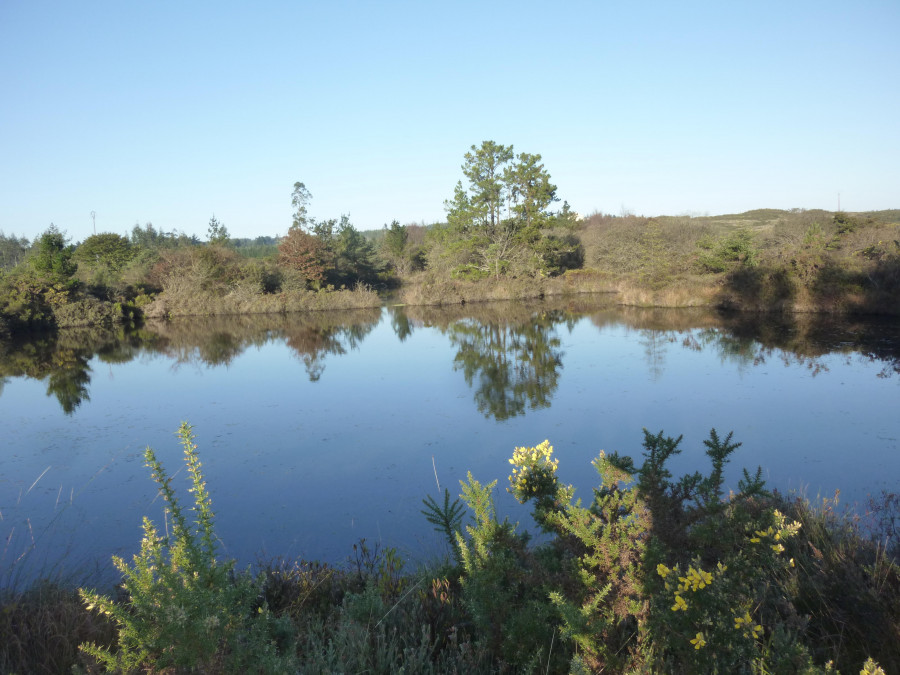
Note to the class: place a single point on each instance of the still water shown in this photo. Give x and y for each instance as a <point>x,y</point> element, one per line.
<point>316,431</point>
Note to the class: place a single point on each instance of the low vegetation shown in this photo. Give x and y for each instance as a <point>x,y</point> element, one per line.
<point>505,237</point>
<point>649,574</point>
<point>768,259</point>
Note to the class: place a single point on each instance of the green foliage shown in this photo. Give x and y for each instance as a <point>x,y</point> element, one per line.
<point>300,199</point>
<point>52,259</point>
<point>446,518</point>
<point>845,223</point>
<point>354,256</point>
<point>397,251</point>
<point>814,237</point>
<point>672,575</point>
<point>736,248</point>
<point>331,251</point>
<point>185,609</point>
<point>217,232</point>
<point>655,258</point>
<point>12,251</point>
<point>558,253</point>
<point>149,238</point>
<point>29,302</point>
<point>501,586</point>
<point>607,617</point>
<point>494,225</point>
<point>112,251</point>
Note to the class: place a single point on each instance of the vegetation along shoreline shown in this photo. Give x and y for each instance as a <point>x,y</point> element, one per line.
<point>652,573</point>
<point>505,237</point>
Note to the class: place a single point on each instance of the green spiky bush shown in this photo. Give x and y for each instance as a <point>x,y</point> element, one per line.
<point>185,609</point>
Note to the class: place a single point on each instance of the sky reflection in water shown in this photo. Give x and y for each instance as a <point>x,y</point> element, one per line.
<point>316,431</point>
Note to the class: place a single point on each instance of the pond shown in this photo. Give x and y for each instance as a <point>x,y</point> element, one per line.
<point>316,431</point>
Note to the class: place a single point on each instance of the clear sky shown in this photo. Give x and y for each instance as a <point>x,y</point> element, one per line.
<point>170,112</point>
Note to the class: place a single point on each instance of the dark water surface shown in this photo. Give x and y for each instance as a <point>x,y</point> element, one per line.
<point>318,430</point>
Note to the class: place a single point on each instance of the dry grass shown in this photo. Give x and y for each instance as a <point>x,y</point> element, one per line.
<point>802,261</point>
<point>690,292</point>
<point>848,587</point>
<point>184,299</point>
<point>41,628</point>
<point>430,289</point>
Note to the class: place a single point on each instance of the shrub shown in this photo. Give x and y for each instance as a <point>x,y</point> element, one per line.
<point>736,248</point>
<point>503,586</point>
<point>185,609</point>
<point>672,575</point>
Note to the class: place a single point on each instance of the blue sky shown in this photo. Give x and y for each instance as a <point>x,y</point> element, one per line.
<point>170,112</point>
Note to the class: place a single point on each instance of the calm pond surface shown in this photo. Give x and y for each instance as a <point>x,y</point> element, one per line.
<point>316,431</point>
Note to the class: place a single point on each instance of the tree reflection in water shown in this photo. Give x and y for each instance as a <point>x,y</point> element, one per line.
<point>217,341</point>
<point>511,366</point>
<point>313,342</point>
<point>509,353</point>
<point>60,359</point>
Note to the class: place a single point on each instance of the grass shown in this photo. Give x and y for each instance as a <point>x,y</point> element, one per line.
<point>182,298</point>
<point>848,586</point>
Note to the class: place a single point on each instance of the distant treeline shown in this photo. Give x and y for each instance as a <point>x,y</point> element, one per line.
<point>505,236</point>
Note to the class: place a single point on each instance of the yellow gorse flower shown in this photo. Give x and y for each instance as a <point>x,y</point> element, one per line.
<point>745,623</point>
<point>777,533</point>
<point>539,454</point>
<point>679,604</point>
<point>698,641</point>
<point>695,579</point>
<point>527,459</point>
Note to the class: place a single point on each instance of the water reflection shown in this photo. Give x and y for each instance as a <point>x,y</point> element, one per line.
<point>60,360</point>
<point>510,366</point>
<point>510,354</point>
<point>400,322</point>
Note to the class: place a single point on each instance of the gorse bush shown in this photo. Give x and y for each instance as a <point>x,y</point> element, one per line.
<point>654,575</point>
<point>737,248</point>
<point>185,609</point>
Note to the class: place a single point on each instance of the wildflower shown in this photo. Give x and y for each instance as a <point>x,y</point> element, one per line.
<point>662,570</point>
<point>741,621</point>
<point>698,641</point>
<point>679,604</point>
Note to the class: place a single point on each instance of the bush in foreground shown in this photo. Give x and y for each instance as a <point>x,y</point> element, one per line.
<point>654,574</point>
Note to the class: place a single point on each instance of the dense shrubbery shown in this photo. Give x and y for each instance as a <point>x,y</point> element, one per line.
<point>654,574</point>
<point>502,240</point>
<point>758,260</point>
<point>109,279</point>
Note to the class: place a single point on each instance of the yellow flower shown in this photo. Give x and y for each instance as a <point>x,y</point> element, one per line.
<point>679,604</point>
<point>698,641</point>
<point>662,570</point>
